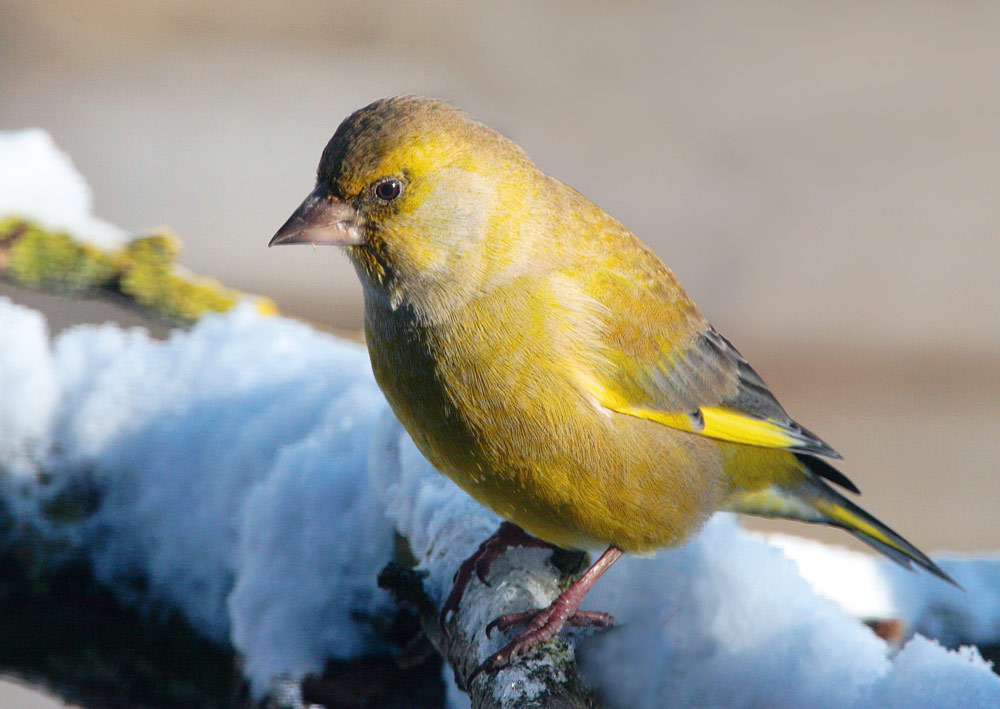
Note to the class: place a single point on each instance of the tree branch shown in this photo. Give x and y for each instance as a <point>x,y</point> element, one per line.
<point>520,579</point>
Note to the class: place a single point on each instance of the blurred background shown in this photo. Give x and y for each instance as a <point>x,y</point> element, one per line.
<point>824,177</point>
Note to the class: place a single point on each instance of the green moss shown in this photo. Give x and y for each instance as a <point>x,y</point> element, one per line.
<point>40,259</point>
<point>9,228</point>
<point>148,276</point>
<point>144,272</point>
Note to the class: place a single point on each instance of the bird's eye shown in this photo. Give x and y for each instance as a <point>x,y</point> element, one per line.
<point>388,189</point>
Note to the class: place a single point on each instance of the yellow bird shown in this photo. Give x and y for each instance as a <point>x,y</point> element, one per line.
<point>547,361</point>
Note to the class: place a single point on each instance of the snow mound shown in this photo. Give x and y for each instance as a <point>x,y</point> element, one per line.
<point>38,182</point>
<point>250,474</point>
<point>28,383</point>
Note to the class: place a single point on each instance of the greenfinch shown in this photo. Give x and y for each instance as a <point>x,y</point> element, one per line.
<point>547,361</point>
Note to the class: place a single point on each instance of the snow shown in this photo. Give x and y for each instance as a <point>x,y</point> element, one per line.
<point>881,589</point>
<point>250,475</point>
<point>728,621</point>
<point>250,472</point>
<point>227,458</point>
<point>312,538</point>
<point>28,383</point>
<point>825,567</point>
<point>39,182</point>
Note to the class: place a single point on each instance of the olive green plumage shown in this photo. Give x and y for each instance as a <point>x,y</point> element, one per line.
<point>544,358</point>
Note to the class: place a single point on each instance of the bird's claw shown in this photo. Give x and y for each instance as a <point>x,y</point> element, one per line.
<point>507,535</point>
<point>505,622</point>
<point>543,624</point>
<point>483,565</point>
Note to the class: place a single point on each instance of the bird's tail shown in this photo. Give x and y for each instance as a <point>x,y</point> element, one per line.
<point>813,500</point>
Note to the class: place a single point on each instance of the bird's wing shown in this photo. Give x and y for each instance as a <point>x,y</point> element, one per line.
<point>666,363</point>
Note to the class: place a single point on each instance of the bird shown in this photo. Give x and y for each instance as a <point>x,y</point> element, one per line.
<point>548,362</point>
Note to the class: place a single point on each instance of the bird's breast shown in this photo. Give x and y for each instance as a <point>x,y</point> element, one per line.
<point>492,398</point>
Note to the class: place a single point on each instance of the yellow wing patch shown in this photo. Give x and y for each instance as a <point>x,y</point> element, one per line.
<point>682,422</point>
<point>718,423</point>
<point>709,390</point>
<point>731,426</point>
<point>614,402</point>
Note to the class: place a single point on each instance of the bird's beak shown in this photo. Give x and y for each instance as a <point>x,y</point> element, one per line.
<point>321,219</point>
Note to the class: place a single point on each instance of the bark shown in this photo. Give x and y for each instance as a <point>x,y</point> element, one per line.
<point>546,677</point>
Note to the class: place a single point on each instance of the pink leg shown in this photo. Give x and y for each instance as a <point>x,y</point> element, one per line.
<point>545,623</point>
<point>508,535</point>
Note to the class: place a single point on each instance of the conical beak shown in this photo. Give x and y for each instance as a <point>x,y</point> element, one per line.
<point>321,219</point>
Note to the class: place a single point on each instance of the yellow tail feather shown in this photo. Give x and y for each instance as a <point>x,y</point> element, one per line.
<point>814,501</point>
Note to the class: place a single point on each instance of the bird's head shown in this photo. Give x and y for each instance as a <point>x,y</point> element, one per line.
<point>414,189</point>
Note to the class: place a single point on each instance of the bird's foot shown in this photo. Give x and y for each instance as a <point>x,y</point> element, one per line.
<point>543,624</point>
<point>579,619</point>
<point>508,535</point>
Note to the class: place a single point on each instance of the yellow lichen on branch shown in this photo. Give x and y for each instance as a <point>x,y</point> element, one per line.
<point>144,272</point>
